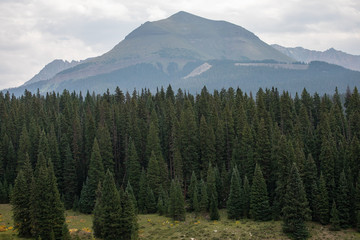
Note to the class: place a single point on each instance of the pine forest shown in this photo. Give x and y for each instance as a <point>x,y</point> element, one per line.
<point>262,156</point>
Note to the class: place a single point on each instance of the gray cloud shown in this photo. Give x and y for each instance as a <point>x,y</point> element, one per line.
<point>34,32</point>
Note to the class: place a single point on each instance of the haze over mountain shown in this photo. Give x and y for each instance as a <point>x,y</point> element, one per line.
<point>189,52</point>
<point>330,56</point>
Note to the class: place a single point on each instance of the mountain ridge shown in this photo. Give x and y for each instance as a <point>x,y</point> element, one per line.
<point>178,50</point>
<point>331,55</point>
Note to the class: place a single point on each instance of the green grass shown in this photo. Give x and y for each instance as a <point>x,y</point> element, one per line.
<point>153,226</point>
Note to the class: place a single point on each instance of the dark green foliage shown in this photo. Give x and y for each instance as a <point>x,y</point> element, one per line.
<point>108,220</point>
<point>259,200</point>
<point>204,199</point>
<point>206,144</point>
<point>98,221</point>
<point>211,183</point>
<point>129,218</point>
<point>153,173</point>
<point>95,174</point>
<point>10,174</point>
<point>343,201</point>
<point>192,191</point>
<point>322,201</point>
<point>47,210</point>
<point>150,202</point>
<point>296,210</point>
<point>177,205</point>
<point>65,233</point>
<point>143,193</point>
<point>310,183</point>
<point>247,191</point>
<point>334,218</point>
<point>195,201</point>
<point>263,150</point>
<point>69,178</point>
<point>182,130</point>
<point>133,168</point>
<point>24,147</point>
<point>161,206</point>
<point>213,209</point>
<point>129,190</point>
<point>20,199</point>
<point>188,140</point>
<point>178,165</point>
<point>104,140</point>
<point>235,203</point>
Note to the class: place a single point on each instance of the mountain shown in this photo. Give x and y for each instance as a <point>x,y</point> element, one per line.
<point>330,56</point>
<point>189,52</point>
<point>51,69</point>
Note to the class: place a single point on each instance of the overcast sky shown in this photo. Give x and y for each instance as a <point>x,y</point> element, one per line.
<point>35,32</point>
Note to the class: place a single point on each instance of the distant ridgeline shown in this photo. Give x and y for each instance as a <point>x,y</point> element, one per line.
<point>252,154</point>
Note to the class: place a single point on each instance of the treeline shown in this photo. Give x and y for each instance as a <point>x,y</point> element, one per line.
<point>207,142</point>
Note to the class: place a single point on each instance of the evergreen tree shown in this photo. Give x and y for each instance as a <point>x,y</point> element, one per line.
<point>234,205</point>
<point>259,201</point>
<point>153,174</point>
<point>214,211</point>
<point>206,144</point>
<point>95,174</point>
<point>20,199</point>
<point>129,218</point>
<point>10,174</point>
<point>24,147</point>
<point>327,159</point>
<point>177,205</point>
<point>150,202</point>
<point>322,202</point>
<point>188,140</point>
<point>47,210</point>
<point>133,168</point>
<point>143,193</point>
<point>161,206</point>
<point>195,200</point>
<point>129,190</point>
<point>178,165</point>
<point>98,219</point>
<point>109,211</point>
<point>106,150</point>
<point>295,210</point>
<point>263,150</point>
<point>247,191</point>
<point>191,191</point>
<point>204,199</point>
<point>211,183</point>
<point>334,218</point>
<point>55,156</point>
<point>310,183</point>
<point>343,201</point>
<point>70,179</point>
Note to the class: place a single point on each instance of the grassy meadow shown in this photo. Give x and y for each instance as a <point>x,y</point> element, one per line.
<point>153,226</point>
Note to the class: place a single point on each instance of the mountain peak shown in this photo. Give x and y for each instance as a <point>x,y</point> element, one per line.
<point>182,15</point>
